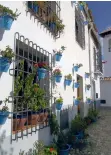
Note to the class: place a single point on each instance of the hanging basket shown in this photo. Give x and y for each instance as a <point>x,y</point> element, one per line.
<point>88,101</point>
<point>58,57</point>
<point>76,85</point>
<point>6,22</point>
<point>4,64</point>
<point>76,102</point>
<point>3,117</point>
<point>86,75</point>
<point>41,73</point>
<point>58,78</point>
<point>68,82</point>
<point>59,106</point>
<point>76,68</point>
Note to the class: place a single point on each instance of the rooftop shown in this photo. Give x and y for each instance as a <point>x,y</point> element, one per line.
<point>105,32</point>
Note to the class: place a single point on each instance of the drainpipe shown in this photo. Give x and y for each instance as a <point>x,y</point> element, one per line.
<point>89,34</point>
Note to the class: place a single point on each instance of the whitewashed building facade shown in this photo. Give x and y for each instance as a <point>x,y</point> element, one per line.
<point>28,35</point>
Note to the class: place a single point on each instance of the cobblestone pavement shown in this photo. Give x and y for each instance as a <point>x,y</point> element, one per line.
<point>100,133</point>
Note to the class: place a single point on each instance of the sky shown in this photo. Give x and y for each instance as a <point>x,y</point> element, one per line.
<point>101,11</point>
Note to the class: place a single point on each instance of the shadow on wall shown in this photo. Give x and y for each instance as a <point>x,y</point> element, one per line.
<point>3,151</point>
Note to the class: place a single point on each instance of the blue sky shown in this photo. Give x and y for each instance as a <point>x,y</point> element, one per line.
<point>101,11</point>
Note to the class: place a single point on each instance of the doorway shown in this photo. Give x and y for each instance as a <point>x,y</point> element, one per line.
<point>80,92</point>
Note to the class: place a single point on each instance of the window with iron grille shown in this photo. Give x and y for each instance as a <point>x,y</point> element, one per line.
<point>109,45</point>
<point>32,95</point>
<point>79,28</point>
<point>48,13</point>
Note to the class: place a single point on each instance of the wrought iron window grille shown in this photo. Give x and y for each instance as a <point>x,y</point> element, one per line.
<point>24,119</point>
<point>79,28</point>
<point>48,14</point>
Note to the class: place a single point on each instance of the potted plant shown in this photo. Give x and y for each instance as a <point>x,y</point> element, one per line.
<point>59,26</point>
<point>92,114</point>
<point>77,100</point>
<point>58,54</point>
<point>88,86</point>
<point>77,66</point>
<point>7,17</point>
<point>87,120</point>
<point>42,68</point>
<point>77,84</point>
<point>33,5</point>
<point>87,75</point>
<point>68,79</point>
<point>57,75</point>
<point>6,59</point>
<point>88,100</point>
<point>78,126</point>
<point>50,150</point>
<point>59,103</point>
<point>4,113</point>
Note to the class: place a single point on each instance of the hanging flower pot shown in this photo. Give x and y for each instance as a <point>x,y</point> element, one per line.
<point>76,68</point>
<point>65,150</point>
<point>35,6</point>
<point>87,75</point>
<point>58,56</point>
<point>52,26</point>
<point>59,103</point>
<point>4,64</point>
<point>3,117</point>
<point>57,75</point>
<point>88,100</point>
<point>76,102</point>
<point>76,84</point>
<point>68,79</point>
<point>42,69</point>
<point>6,59</point>
<point>88,87</point>
<point>81,7</point>
<point>7,17</point>
<point>30,5</point>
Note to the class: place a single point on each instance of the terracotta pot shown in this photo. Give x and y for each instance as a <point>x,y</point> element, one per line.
<point>16,122</point>
<point>33,119</point>
<point>22,122</point>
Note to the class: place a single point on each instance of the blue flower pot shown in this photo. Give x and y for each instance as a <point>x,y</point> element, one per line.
<point>30,5</point>
<point>76,68</point>
<point>88,101</point>
<point>59,106</point>
<point>76,85</point>
<point>41,73</point>
<point>68,82</point>
<point>76,102</point>
<point>35,8</point>
<point>52,26</point>
<point>6,22</point>
<point>79,136</point>
<point>58,57</point>
<point>86,76</point>
<point>3,117</point>
<point>81,7</point>
<point>4,64</point>
<point>58,78</point>
<point>65,151</point>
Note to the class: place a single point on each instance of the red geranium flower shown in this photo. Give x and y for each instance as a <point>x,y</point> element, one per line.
<point>51,149</point>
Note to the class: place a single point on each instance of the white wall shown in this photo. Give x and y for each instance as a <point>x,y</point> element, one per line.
<point>105,89</point>
<point>36,33</point>
<point>107,55</point>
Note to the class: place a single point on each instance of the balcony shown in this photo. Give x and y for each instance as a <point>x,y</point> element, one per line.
<point>48,14</point>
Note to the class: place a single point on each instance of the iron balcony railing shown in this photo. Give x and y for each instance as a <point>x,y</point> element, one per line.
<point>30,112</point>
<point>48,14</point>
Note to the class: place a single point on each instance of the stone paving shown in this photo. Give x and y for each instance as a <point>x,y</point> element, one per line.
<point>100,133</point>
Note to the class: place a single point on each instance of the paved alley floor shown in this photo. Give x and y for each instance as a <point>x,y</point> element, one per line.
<point>100,133</point>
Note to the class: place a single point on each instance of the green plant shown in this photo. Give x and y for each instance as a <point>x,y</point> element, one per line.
<point>68,77</point>
<point>59,26</point>
<point>59,100</point>
<point>8,53</point>
<point>4,108</point>
<point>50,150</point>
<point>79,98</point>
<point>6,10</point>
<point>54,127</point>
<point>79,65</point>
<point>57,72</point>
<point>78,124</point>
<point>92,114</point>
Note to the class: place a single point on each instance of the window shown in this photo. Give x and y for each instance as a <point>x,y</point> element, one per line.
<point>48,13</point>
<point>79,28</point>
<point>30,109</point>
<point>109,45</point>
